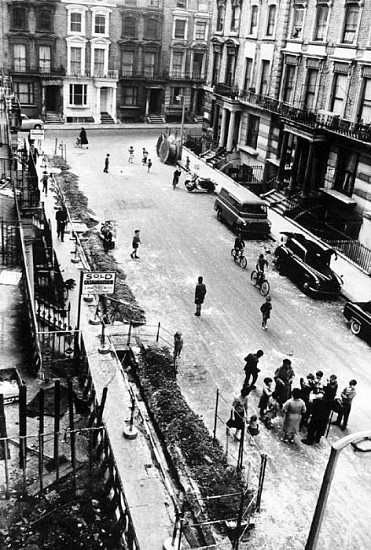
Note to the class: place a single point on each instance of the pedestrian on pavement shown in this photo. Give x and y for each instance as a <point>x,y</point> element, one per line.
<point>200,293</point>
<point>131,154</point>
<point>136,243</point>
<point>266,309</point>
<point>239,410</point>
<point>83,138</point>
<point>176,175</point>
<point>330,390</point>
<point>45,181</point>
<point>283,377</point>
<point>106,163</point>
<point>187,163</point>
<point>251,368</point>
<point>178,344</point>
<point>61,217</point>
<point>149,165</point>
<point>144,156</point>
<point>294,408</point>
<point>343,404</point>
<point>318,420</point>
<point>267,392</point>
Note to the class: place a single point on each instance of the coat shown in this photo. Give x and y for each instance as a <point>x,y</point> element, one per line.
<point>293,409</point>
<point>200,293</point>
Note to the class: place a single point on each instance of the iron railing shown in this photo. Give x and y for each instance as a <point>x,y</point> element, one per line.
<point>355,251</point>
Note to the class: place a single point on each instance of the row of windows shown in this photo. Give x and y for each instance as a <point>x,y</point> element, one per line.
<point>253,19</point>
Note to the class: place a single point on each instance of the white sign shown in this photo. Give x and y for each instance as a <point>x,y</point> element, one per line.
<point>37,133</point>
<point>98,282</point>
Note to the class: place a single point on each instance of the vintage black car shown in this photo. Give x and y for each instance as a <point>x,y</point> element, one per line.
<point>307,263</point>
<point>359,316</point>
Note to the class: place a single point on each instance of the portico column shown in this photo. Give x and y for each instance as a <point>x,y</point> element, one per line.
<point>230,138</point>
<point>147,101</point>
<point>98,92</point>
<point>308,171</point>
<point>282,165</point>
<point>223,128</point>
<point>114,110</point>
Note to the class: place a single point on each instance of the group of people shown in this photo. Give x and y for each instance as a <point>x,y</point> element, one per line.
<point>145,160</point>
<point>306,407</point>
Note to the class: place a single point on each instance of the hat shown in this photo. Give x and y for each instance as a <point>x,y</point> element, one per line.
<point>333,377</point>
<point>286,362</point>
<point>268,299</point>
<point>310,376</point>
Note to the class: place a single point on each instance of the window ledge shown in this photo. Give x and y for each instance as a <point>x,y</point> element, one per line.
<point>249,150</point>
<point>339,196</point>
<point>129,107</point>
<point>348,46</point>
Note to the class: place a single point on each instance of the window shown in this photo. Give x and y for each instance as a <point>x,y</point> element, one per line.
<point>254,20</point>
<point>235,17</point>
<point>130,2</point>
<point>179,29</point>
<point>200,30</point>
<point>248,71</point>
<point>129,28</point>
<point>220,18</point>
<point>252,131</point>
<point>152,29</point>
<point>19,19</point>
<point>350,23</point>
<point>177,64</point>
<point>128,63</point>
<point>311,89</point>
<point>365,108</point>
<point>45,53</point>
<point>198,61</point>
<point>25,92</point>
<point>321,22</point>
<point>76,55</point>
<point>264,78</point>
<point>100,24</point>
<point>99,61</point>
<point>298,21</point>
<point>44,21</point>
<point>76,22</point>
<point>288,84</point>
<point>339,91</point>
<point>154,3</point>
<point>229,70</point>
<point>174,94</point>
<point>149,63</point>
<point>346,172</point>
<point>20,60</point>
<point>216,68</point>
<point>130,97</point>
<point>181,4</point>
<point>271,21</point>
<point>78,94</point>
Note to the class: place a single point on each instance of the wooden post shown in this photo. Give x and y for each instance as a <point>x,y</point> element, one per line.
<point>57,397</point>
<point>4,444</point>
<point>72,432</point>
<point>263,465</point>
<point>236,541</point>
<point>22,429</point>
<point>99,414</point>
<point>41,438</point>
<point>240,449</point>
<point>129,334</point>
<point>216,414</point>
<point>158,332</point>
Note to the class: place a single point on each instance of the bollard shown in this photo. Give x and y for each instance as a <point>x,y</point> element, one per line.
<point>75,253</point>
<point>131,432</point>
<point>96,320</point>
<point>104,345</point>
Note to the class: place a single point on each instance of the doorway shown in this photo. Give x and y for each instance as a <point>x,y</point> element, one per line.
<point>104,104</point>
<point>52,96</point>
<point>155,100</point>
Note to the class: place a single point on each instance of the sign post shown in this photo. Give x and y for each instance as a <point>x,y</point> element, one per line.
<point>94,282</point>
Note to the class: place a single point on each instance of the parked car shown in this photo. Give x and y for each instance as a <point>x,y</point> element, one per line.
<point>307,263</point>
<point>359,316</point>
<point>30,123</point>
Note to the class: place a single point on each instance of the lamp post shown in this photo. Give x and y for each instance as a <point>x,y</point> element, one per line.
<point>181,98</point>
<point>353,439</point>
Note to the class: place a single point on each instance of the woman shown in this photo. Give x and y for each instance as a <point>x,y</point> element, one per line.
<point>83,138</point>
<point>294,408</point>
<point>239,412</point>
<point>283,377</point>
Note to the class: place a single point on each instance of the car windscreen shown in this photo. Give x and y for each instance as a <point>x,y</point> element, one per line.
<point>253,208</point>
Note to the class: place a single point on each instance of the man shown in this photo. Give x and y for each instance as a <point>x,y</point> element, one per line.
<point>239,245</point>
<point>345,404</point>
<point>176,176</point>
<point>261,264</point>
<point>61,217</point>
<point>106,164</point>
<point>318,420</point>
<point>200,293</point>
<point>251,368</point>
<point>136,243</point>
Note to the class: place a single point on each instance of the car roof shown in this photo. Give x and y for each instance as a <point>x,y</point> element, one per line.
<point>243,195</point>
<point>310,245</point>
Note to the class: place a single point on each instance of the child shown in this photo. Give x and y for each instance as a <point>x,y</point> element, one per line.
<point>187,163</point>
<point>136,243</point>
<point>106,163</point>
<point>45,180</point>
<point>145,156</point>
<point>271,411</point>
<point>267,392</point>
<point>266,309</point>
<point>149,165</point>
<point>178,344</point>
<point>131,154</point>
<point>253,426</point>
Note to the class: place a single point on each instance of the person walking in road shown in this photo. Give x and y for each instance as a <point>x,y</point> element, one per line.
<point>187,163</point>
<point>131,154</point>
<point>294,408</point>
<point>176,175</point>
<point>136,243</point>
<point>343,405</point>
<point>106,163</point>
<point>251,368</point>
<point>83,138</point>
<point>149,165</point>
<point>200,293</point>
<point>61,217</point>
<point>239,410</point>
<point>266,309</point>
<point>45,181</point>
<point>283,377</point>
<point>320,413</point>
<point>267,392</point>
<point>178,345</point>
<point>144,156</point>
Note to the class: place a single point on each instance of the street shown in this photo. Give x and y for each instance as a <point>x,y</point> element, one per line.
<point>181,240</point>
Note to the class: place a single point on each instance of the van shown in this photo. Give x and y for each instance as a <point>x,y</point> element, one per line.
<point>243,211</point>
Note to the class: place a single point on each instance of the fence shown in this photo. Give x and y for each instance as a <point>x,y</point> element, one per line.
<point>9,246</point>
<point>355,251</point>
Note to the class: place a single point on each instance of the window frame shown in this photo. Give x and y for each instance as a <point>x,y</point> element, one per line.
<point>154,21</point>
<point>80,11</point>
<point>347,7</point>
<point>24,24</point>
<point>271,25</point>
<point>333,97</point>
<point>72,62</point>
<point>49,48</point>
<point>307,92</point>
<point>134,26</point>
<point>202,70</point>
<point>288,68</point>
<point>264,73</point>
<point>235,17</point>
<point>20,67</point>
<point>180,20</point>
<point>254,20</point>
<point>176,91</point>
<point>252,134</point>
<point>299,7</point>
<point>215,74</point>
<point>247,74</point>
<point>320,6</point>
<point>197,24</point>
<point>72,94</point>
<point>152,72</point>
<point>220,18</point>
<point>133,96</point>
<point>181,55</point>
<point>40,19</point>
<point>30,93</point>
<point>130,72</point>
<point>364,84</point>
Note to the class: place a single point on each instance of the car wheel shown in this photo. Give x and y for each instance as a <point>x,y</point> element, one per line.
<point>304,287</point>
<point>219,215</point>
<point>38,126</point>
<point>355,326</point>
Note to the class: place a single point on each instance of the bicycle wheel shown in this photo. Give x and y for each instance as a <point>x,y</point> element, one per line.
<point>243,262</point>
<point>254,278</point>
<point>233,253</point>
<point>265,288</point>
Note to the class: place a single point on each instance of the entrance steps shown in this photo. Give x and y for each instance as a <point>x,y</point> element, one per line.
<point>52,117</point>
<point>156,119</point>
<point>106,118</point>
<point>277,201</point>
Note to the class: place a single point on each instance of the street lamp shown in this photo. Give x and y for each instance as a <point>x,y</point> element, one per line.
<point>360,442</point>
<point>181,98</point>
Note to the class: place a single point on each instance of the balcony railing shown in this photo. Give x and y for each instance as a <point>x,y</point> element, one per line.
<point>226,90</point>
<point>313,119</point>
<point>109,75</point>
<point>196,76</point>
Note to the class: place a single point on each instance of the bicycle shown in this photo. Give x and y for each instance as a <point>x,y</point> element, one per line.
<point>238,256</point>
<point>260,282</point>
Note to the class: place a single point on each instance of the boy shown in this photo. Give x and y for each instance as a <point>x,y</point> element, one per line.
<point>266,309</point>
<point>106,163</point>
<point>136,243</point>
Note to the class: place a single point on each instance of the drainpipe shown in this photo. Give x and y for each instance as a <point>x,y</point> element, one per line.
<point>279,45</point>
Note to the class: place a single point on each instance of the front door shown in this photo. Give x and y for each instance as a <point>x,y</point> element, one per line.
<point>155,100</point>
<point>104,105</point>
<point>52,98</point>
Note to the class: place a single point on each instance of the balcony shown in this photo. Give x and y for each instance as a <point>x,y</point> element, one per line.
<point>316,120</point>
<point>226,90</point>
<point>109,75</point>
<point>163,76</point>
